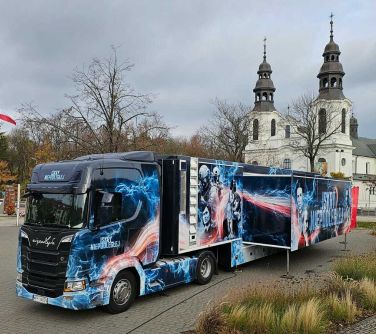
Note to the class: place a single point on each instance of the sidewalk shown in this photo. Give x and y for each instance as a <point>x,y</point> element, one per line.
<point>366,326</point>
<point>6,220</point>
<point>366,219</point>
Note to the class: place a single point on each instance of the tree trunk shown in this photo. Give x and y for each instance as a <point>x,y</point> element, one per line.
<point>312,164</point>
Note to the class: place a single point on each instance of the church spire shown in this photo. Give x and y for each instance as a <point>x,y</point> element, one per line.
<point>264,49</point>
<point>264,89</point>
<point>331,27</point>
<point>331,72</point>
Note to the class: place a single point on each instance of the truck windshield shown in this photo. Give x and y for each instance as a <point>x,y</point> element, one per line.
<point>56,210</point>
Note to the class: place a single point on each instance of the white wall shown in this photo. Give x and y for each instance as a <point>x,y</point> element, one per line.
<point>360,165</point>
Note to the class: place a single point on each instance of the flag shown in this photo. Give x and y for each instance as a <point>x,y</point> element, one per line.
<point>8,119</point>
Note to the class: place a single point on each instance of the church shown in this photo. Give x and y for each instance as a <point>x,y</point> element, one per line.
<point>273,140</point>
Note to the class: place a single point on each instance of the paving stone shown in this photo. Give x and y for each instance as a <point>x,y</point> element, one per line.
<point>174,312</point>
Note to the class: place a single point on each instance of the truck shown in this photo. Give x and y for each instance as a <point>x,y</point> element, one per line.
<point>102,229</point>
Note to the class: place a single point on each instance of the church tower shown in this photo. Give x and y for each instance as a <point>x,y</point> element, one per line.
<point>264,89</point>
<point>265,122</point>
<point>331,72</point>
<point>334,111</point>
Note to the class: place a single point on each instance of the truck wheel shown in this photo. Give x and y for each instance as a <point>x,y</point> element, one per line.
<point>205,268</point>
<point>123,292</point>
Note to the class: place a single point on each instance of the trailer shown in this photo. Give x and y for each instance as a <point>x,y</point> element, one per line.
<point>102,229</point>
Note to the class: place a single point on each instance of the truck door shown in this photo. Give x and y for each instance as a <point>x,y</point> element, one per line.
<point>134,197</point>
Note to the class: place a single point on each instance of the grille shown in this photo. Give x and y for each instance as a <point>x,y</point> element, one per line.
<point>44,270</point>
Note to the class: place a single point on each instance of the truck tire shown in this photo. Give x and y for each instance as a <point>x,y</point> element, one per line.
<point>123,292</point>
<point>205,268</point>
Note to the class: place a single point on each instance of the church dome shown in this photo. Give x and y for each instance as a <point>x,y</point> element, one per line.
<point>353,120</point>
<point>331,47</point>
<point>264,67</point>
<point>264,83</point>
<point>331,67</point>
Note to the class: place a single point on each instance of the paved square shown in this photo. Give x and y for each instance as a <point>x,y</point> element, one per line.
<point>172,312</point>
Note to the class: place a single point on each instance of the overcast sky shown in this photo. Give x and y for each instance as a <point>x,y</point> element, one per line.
<point>186,52</point>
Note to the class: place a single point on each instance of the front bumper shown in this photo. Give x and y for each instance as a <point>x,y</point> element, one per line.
<point>80,300</point>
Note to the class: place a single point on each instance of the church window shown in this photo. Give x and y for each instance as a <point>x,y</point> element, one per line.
<point>264,96</point>
<point>271,96</point>
<point>258,97</point>
<point>368,165</point>
<point>325,83</point>
<point>333,82</point>
<point>322,121</point>
<point>340,82</point>
<point>287,163</point>
<point>332,57</point>
<point>327,58</point>
<point>343,162</point>
<point>287,131</point>
<point>272,127</point>
<point>343,122</point>
<point>255,129</point>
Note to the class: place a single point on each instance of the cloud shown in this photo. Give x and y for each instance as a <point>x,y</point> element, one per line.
<point>186,53</point>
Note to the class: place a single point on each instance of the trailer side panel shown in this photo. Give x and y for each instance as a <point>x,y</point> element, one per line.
<point>320,210</point>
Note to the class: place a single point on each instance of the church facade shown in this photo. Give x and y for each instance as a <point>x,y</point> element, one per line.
<point>274,140</point>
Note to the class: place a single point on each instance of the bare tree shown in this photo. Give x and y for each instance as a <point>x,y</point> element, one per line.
<point>313,124</point>
<point>104,116</point>
<point>228,131</point>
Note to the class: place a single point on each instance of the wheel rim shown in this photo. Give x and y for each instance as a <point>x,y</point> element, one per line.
<point>205,268</point>
<point>122,291</point>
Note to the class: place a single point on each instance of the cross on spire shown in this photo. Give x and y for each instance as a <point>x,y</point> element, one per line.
<point>264,48</point>
<point>331,26</point>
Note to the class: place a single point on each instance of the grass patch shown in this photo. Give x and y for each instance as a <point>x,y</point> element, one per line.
<point>357,267</point>
<point>368,294</point>
<point>343,308</point>
<point>349,293</point>
<point>368,225</point>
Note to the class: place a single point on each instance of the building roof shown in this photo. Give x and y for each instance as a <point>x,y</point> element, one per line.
<point>364,147</point>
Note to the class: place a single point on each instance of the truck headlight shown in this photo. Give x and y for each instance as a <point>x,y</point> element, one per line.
<point>72,286</point>
<point>68,238</point>
<point>24,235</point>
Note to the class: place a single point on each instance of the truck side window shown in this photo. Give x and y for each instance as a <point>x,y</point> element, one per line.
<point>122,186</point>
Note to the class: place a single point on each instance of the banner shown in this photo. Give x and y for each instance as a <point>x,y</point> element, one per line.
<point>354,207</point>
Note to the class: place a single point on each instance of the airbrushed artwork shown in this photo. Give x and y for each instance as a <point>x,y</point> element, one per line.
<point>131,241</point>
<point>219,202</point>
<point>266,209</point>
<point>164,221</point>
<point>321,209</point>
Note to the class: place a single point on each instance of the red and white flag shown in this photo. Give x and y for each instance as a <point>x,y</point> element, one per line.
<point>7,118</point>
